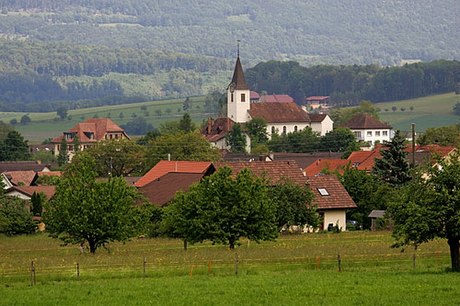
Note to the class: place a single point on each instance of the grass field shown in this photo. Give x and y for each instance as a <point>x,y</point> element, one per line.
<point>294,270</point>
<point>47,125</point>
<point>432,111</point>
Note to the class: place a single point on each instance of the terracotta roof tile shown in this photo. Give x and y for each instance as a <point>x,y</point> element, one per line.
<point>276,99</point>
<point>337,197</point>
<point>217,129</point>
<point>164,167</point>
<point>329,164</point>
<point>275,171</point>
<point>21,166</point>
<point>99,127</point>
<point>365,121</point>
<point>278,112</point>
<point>162,190</point>
<point>48,191</point>
<point>317,117</point>
<point>21,177</point>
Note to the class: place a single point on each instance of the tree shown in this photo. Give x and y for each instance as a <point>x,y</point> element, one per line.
<point>14,147</point>
<point>117,157</point>
<point>138,126</point>
<point>429,208</point>
<point>61,112</point>
<point>4,130</point>
<point>444,136</point>
<point>294,205</point>
<point>341,115</point>
<point>368,192</point>
<point>393,167</point>
<point>36,202</point>
<point>236,139</point>
<point>15,217</point>
<point>339,140</point>
<point>63,157</point>
<point>257,130</point>
<point>223,209</point>
<point>84,209</point>
<point>25,120</point>
<point>186,124</point>
<point>186,105</point>
<point>180,146</point>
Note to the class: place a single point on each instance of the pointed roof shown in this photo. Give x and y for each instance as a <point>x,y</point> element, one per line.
<point>93,130</point>
<point>332,195</point>
<point>278,112</point>
<point>178,166</point>
<point>217,129</point>
<point>365,121</point>
<point>238,77</point>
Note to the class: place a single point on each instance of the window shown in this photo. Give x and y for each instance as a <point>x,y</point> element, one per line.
<point>357,135</point>
<point>243,97</point>
<point>295,128</point>
<point>273,130</point>
<point>231,97</point>
<point>385,133</point>
<point>284,129</point>
<point>369,133</point>
<point>377,133</point>
<point>323,191</point>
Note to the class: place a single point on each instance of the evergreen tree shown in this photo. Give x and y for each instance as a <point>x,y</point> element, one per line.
<point>63,158</point>
<point>236,139</point>
<point>393,168</point>
<point>186,124</point>
<point>14,147</point>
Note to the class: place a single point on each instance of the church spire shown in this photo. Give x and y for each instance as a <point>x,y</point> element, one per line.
<point>238,81</point>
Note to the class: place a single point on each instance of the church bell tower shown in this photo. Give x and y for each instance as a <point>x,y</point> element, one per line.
<point>238,94</point>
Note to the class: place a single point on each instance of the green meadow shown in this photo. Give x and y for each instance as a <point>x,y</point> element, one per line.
<point>293,270</point>
<point>431,111</point>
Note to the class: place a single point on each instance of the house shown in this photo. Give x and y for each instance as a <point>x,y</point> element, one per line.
<point>6,166</point>
<point>26,192</point>
<point>316,101</point>
<point>88,133</point>
<point>216,130</point>
<point>326,165</point>
<point>18,178</point>
<point>331,198</point>
<point>368,129</point>
<point>280,112</point>
<point>161,183</point>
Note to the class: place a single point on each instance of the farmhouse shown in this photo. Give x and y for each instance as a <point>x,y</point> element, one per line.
<point>88,133</point>
<point>280,112</point>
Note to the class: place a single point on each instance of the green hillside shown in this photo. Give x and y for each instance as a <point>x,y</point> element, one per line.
<point>432,111</point>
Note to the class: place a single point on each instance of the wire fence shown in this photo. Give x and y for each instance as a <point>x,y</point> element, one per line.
<point>150,267</point>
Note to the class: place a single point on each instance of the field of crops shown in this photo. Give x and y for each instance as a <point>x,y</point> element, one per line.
<point>292,270</point>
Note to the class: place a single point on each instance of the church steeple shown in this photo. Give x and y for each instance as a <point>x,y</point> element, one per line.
<point>238,94</point>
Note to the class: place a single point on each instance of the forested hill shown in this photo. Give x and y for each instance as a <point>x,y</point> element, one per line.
<point>310,31</point>
<point>93,52</point>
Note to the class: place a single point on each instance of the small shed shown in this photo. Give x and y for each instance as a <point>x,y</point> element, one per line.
<point>374,215</point>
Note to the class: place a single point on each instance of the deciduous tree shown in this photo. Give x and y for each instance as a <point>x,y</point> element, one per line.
<point>86,210</point>
<point>236,139</point>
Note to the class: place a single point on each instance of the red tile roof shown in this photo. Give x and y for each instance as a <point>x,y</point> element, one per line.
<point>98,127</point>
<point>162,190</point>
<point>48,191</point>
<point>217,129</point>
<point>317,117</point>
<point>49,173</point>
<point>164,167</point>
<point>254,95</point>
<point>21,177</point>
<point>365,121</point>
<point>364,160</point>
<point>276,99</point>
<point>337,197</point>
<point>21,166</point>
<point>326,164</point>
<point>275,171</point>
<point>279,112</point>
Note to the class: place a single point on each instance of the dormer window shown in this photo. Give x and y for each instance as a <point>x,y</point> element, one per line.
<point>323,191</point>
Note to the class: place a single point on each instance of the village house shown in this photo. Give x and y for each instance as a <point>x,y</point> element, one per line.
<point>368,129</point>
<point>88,133</point>
<point>280,112</point>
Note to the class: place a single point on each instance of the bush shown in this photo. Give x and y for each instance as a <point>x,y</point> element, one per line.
<point>15,217</point>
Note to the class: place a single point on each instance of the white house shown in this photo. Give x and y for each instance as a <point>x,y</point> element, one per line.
<point>368,129</point>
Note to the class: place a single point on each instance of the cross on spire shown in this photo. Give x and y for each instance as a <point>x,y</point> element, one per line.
<point>238,48</point>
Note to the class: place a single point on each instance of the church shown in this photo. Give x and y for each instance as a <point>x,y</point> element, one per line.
<point>281,117</point>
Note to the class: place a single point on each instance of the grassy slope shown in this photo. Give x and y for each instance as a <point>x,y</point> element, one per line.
<point>45,125</point>
<point>432,111</point>
<point>281,272</point>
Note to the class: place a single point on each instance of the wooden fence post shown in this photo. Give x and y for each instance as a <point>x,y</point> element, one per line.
<point>318,263</point>
<point>339,262</point>
<point>144,264</point>
<point>78,271</point>
<point>32,274</point>
<point>209,267</point>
